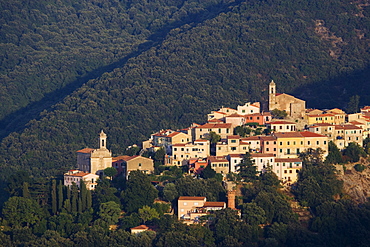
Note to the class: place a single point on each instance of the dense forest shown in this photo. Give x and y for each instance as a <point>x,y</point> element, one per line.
<point>43,212</point>
<point>162,64</point>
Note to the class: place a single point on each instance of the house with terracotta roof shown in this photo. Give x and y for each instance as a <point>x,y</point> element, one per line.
<point>259,118</point>
<point>323,129</point>
<point>321,118</point>
<point>281,126</point>
<point>339,115</point>
<point>287,169</point>
<point>95,160</point>
<point>181,153</point>
<point>249,108</point>
<point>347,133</point>
<point>139,229</point>
<point>76,176</point>
<point>191,208</point>
<point>291,144</point>
<point>202,131</point>
<point>197,165</point>
<point>235,120</point>
<point>254,143</point>
<point>234,161</point>
<point>233,144</point>
<point>126,164</point>
<point>268,145</point>
<point>262,161</point>
<point>219,163</point>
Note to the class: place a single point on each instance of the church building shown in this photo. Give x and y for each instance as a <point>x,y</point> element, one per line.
<point>95,160</point>
<point>293,106</point>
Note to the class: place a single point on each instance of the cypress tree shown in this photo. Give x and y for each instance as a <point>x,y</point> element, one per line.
<point>88,199</point>
<point>80,205</point>
<point>60,196</point>
<point>74,198</point>
<point>67,205</point>
<point>53,197</point>
<point>83,195</point>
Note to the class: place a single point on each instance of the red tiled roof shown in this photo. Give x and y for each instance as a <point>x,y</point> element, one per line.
<point>233,137</point>
<point>217,159</point>
<point>287,160</point>
<point>236,155</point>
<point>85,150</point>
<point>192,198</point>
<point>346,127</point>
<point>214,204</point>
<point>141,227</point>
<point>211,126</point>
<point>80,174</point>
<point>321,124</point>
<point>310,134</point>
<point>174,134</point>
<point>280,122</point>
<point>287,134</point>
<point>235,115</point>
<point>251,138</point>
<point>262,155</point>
<point>267,138</point>
<point>322,115</point>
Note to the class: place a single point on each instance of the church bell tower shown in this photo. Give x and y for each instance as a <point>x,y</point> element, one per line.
<point>272,95</point>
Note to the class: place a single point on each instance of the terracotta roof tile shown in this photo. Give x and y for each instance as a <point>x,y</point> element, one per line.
<point>214,204</point>
<point>192,198</point>
<point>85,150</point>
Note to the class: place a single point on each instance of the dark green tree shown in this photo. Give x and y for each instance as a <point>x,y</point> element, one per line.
<point>213,137</point>
<point>20,211</point>
<point>334,155</point>
<point>278,114</point>
<point>110,172</point>
<point>54,206</point>
<point>353,104</point>
<point>138,192</point>
<point>247,170</point>
<point>60,196</point>
<point>109,212</point>
<point>353,151</point>
<point>208,172</point>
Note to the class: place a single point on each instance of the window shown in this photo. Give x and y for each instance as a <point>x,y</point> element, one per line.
<point>317,143</point>
<point>182,149</point>
<point>290,171</point>
<point>233,148</point>
<point>288,151</point>
<point>267,149</point>
<point>185,203</point>
<point>281,143</point>
<point>182,210</point>
<point>174,149</point>
<point>281,150</point>
<point>309,143</point>
<point>139,164</point>
<point>233,141</point>
<point>285,171</point>
<point>288,143</point>
<point>196,203</point>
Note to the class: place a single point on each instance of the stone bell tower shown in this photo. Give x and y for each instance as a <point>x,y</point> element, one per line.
<point>272,95</point>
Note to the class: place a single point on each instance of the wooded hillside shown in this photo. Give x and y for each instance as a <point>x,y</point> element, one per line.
<point>172,62</point>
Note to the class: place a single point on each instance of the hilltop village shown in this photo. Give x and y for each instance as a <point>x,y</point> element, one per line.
<point>274,139</point>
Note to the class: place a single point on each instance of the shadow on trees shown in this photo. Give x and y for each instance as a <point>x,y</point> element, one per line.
<point>16,121</point>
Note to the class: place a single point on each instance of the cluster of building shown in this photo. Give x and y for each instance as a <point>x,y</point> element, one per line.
<point>278,149</point>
